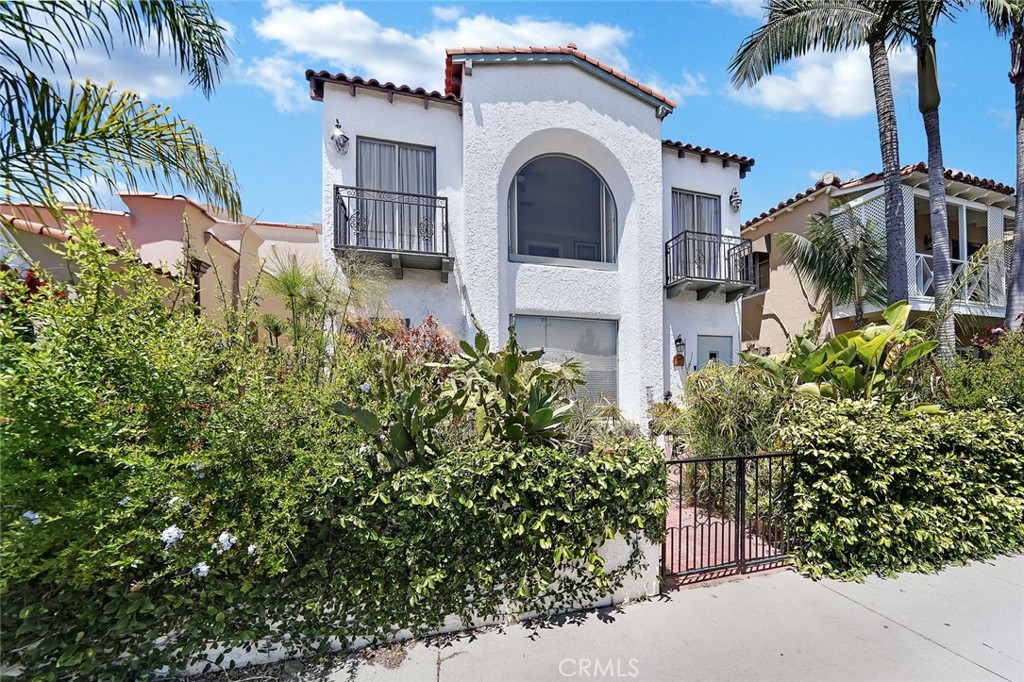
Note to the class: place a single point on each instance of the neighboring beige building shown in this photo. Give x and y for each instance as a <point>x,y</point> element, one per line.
<point>980,212</point>
<point>226,253</point>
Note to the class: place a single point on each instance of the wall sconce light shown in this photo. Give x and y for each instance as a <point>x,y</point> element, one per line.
<point>735,200</point>
<point>680,357</point>
<point>339,138</point>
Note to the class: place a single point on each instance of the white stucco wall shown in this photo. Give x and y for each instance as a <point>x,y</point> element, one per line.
<point>369,114</point>
<point>684,315</point>
<point>514,113</point>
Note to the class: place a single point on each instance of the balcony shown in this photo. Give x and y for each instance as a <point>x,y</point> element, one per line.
<point>985,287</point>
<point>707,264</point>
<point>398,229</point>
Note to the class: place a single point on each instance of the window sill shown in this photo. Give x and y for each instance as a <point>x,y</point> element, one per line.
<point>563,262</point>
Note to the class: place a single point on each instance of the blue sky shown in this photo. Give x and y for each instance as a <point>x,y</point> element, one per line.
<point>816,115</point>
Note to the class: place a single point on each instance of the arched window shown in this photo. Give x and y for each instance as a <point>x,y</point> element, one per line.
<point>561,208</point>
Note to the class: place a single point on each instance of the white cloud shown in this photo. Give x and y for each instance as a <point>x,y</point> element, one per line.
<point>689,86</point>
<point>154,76</point>
<point>743,8</point>
<point>340,38</point>
<point>446,13</point>
<point>835,84</point>
<point>844,175</point>
<point>1004,118</point>
<point>279,77</point>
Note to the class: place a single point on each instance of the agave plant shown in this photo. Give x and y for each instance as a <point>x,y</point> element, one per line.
<point>872,362</point>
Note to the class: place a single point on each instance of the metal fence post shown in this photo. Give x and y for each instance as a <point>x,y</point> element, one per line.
<point>740,515</point>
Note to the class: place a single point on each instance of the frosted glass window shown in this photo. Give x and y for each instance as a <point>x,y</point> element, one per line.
<point>594,343</point>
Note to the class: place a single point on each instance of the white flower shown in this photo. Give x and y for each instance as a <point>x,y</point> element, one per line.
<point>32,518</point>
<point>198,468</point>
<point>365,387</point>
<point>173,501</point>
<point>226,541</point>
<point>201,569</point>
<point>124,501</point>
<point>171,535</point>
<point>252,549</point>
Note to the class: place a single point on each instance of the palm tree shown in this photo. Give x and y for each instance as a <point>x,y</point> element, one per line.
<point>841,258</point>
<point>916,20</point>
<point>61,141</point>
<point>795,27</point>
<point>1007,17</point>
<point>798,26</point>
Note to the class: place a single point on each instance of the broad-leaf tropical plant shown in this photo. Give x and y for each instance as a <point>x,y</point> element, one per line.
<point>873,362</point>
<point>795,27</point>
<point>1007,18</point>
<point>66,142</point>
<point>840,258</point>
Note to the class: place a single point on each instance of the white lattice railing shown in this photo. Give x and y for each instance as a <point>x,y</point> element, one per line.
<point>984,286</point>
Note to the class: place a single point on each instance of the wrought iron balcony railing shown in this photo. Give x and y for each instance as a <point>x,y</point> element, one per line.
<point>392,222</point>
<point>709,263</point>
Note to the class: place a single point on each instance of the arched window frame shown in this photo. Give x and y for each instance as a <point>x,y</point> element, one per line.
<point>609,223</point>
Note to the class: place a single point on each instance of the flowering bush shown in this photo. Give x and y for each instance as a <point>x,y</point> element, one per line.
<point>169,483</point>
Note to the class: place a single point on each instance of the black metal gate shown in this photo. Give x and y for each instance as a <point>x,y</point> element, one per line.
<point>727,515</point>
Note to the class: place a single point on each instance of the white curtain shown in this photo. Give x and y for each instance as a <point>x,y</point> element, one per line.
<point>376,169</point>
<point>416,176</point>
<point>682,212</point>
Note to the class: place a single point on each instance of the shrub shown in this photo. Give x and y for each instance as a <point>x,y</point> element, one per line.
<point>998,375</point>
<point>170,483</point>
<point>880,490</point>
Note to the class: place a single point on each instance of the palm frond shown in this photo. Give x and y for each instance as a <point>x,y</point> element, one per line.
<point>1003,15</point>
<point>795,27</point>
<point>840,256</point>
<point>53,141</point>
<point>48,32</point>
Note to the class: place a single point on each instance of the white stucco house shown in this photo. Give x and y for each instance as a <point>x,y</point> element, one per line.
<point>537,192</point>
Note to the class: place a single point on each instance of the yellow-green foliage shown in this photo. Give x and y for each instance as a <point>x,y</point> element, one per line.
<point>880,490</point>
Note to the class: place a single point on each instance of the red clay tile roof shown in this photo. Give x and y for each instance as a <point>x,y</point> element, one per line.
<point>744,162</point>
<point>453,72</point>
<point>951,175</point>
<point>817,187</point>
<point>318,78</point>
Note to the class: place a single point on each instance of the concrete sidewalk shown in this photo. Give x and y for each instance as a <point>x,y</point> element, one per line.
<point>966,623</point>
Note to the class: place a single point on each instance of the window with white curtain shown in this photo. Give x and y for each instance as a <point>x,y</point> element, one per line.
<point>559,207</point>
<point>594,343</point>
<point>692,212</point>
<point>401,168</point>
<point>702,250</point>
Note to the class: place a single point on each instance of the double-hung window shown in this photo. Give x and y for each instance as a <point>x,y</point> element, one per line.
<point>397,208</point>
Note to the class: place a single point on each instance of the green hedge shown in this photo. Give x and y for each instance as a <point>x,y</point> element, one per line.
<point>169,483</point>
<point>880,491</point>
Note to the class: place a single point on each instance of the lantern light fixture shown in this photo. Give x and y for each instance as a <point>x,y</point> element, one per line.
<point>339,138</point>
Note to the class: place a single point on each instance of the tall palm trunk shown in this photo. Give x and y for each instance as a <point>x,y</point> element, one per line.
<point>928,99</point>
<point>897,278</point>
<point>1015,283</point>
<point>943,274</point>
